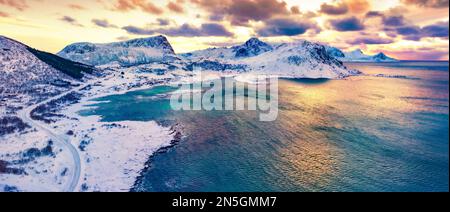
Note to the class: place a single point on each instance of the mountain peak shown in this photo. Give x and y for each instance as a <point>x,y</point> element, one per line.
<point>160,42</point>
<point>252,47</point>
<point>254,40</point>
<point>383,57</point>
<point>358,51</point>
<point>380,54</point>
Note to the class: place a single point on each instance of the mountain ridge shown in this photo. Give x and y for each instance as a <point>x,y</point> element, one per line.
<point>358,55</point>
<point>131,52</point>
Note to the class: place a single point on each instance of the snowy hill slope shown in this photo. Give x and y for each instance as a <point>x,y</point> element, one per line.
<point>302,59</point>
<point>358,56</point>
<point>127,53</point>
<point>251,48</point>
<point>33,74</point>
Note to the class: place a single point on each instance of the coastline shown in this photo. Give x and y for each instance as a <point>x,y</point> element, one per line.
<point>113,154</point>
<point>177,131</point>
<point>113,166</point>
<point>118,166</point>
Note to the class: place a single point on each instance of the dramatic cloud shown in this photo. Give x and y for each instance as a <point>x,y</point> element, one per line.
<point>345,6</point>
<point>285,27</point>
<point>70,20</point>
<point>428,3</point>
<point>358,6</point>
<point>295,10</point>
<point>76,7</point>
<point>175,7</point>
<point>103,23</point>
<point>185,30</point>
<point>330,9</point>
<point>163,22</point>
<point>394,21</point>
<point>126,5</point>
<point>425,54</point>
<point>347,24</point>
<point>372,14</point>
<point>370,40</point>
<point>216,17</point>
<point>214,30</point>
<point>18,4</point>
<point>240,12</point>
<point>138,31</point>
<point>409,32</point>
<point>438,30</point>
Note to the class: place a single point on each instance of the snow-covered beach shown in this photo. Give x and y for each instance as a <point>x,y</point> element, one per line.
<point>111,154</point>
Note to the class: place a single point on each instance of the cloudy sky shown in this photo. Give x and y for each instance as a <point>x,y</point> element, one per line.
<point>405,29</point>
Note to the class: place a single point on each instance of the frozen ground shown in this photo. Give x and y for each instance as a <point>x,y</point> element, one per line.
<point>111,155</point>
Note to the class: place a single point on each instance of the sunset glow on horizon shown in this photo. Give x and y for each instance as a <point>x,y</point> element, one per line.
<point>404,29</point>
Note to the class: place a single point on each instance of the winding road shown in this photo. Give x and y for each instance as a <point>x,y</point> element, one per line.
<point>58,138</point>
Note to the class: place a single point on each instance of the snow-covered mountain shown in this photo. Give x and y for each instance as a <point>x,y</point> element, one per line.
<point>127,53</point>
<point>251,48</point>
<point>358,56</point>
<point>300,59</point>
<point>32,74</point>
<point>381,57</point>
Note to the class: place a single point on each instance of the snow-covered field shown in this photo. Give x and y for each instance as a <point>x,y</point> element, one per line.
<point>111,154</point>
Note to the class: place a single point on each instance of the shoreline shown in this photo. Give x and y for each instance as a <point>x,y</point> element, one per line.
<point>178,137</point>
<point>138,152</point>
<point>87,132</point>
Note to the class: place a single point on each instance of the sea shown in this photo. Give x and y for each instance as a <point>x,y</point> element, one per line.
<point>385,130</point>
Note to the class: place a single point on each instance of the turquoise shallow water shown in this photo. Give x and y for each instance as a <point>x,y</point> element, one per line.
<point>360,134</point>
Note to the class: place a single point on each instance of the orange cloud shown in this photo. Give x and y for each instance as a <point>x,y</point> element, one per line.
<point>428,3</point>
<point>241,12</point>
<point>18,4</point>
<point>76,7</point>
<point>175,7</point>
<point>358,6</point>
<point>3,14</point>
<point>295,10</point>
<point>125,5</point>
